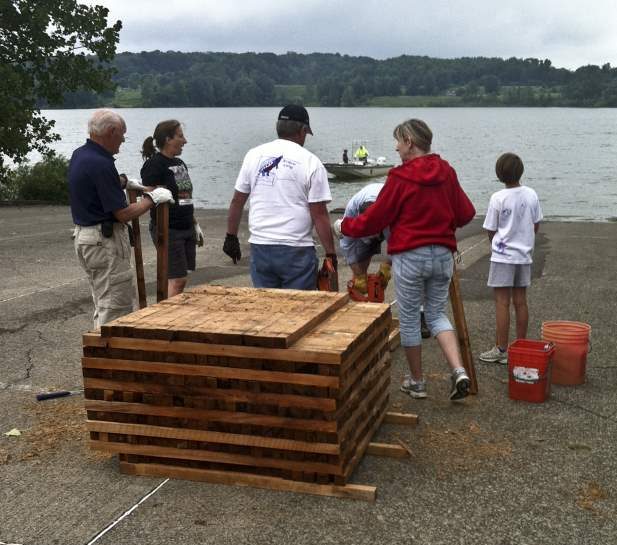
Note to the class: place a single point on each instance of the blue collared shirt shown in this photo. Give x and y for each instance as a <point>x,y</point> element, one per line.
<point>94,185</point>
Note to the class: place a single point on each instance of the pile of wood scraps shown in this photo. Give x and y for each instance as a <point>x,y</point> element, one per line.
<point>277,389</point>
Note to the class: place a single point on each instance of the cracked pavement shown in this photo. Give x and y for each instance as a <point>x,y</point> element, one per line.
<point>488,471</point>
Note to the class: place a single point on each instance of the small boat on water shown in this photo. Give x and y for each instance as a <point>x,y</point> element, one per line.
<point>357,170</point>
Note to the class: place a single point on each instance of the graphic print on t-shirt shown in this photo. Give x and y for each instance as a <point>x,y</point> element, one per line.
<point>268,168</point>
<point>183,181</point>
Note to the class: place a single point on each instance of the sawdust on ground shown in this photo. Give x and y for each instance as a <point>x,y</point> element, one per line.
<point>451,450</point>
<point>56,424</point>
<point>589,495</point>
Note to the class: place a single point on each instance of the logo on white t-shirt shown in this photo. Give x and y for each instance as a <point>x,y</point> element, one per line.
<point>267,169</point>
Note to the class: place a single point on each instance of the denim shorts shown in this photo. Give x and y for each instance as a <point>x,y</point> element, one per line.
<point>422,275</point>
<point>282,266</point>
<point>509,275</point>
<point>357,250</point>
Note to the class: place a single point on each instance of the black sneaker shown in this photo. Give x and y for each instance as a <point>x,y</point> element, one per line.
<point>460,385</point>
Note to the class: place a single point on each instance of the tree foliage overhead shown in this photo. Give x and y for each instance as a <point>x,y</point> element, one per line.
<point>47,48</point>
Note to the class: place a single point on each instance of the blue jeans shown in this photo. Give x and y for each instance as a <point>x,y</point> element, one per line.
<point>281,266</point>
<point>422,274</point>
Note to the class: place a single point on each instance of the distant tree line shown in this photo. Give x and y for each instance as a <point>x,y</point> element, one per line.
<point>162,79</point>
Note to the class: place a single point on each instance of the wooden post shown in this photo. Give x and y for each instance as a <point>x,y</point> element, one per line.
<point>162,242</point>
<point>461,330</point>
<point>139,260</point>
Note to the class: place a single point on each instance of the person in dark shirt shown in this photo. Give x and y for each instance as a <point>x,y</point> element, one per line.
<point>165,168</point>
<point>100,211</point>
<point>345,157</point>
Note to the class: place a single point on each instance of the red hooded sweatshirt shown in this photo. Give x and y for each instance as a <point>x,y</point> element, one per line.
<point>422,203</point>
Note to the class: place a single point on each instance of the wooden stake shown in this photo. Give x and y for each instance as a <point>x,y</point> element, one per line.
<point>139,261</point>
<point>458,312</point>
<point>162,243</point>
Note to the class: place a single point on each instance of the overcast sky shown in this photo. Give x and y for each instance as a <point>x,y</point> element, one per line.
<point>570,34</point>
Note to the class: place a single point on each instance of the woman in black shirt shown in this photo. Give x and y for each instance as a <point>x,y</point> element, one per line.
<point>165,168</point>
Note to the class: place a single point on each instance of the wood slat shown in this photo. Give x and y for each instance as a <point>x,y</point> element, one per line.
<point>202,349</point>
<point>387,450</point>
<point>406,419</point>
<point>258,398</point>
<point>205,415</point>
<point>188,434</point>
<point>234,316</point>
<point>210,371</point>
<point>349,491</point>
<point>215,456</point>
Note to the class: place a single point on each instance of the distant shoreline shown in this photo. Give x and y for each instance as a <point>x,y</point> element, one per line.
<point>337,210</point>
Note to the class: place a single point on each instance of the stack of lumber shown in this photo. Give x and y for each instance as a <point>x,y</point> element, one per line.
<point>220,383</point>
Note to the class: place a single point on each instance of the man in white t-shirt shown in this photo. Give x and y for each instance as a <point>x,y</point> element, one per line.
<point>512,221</point>
<point>287,188</point>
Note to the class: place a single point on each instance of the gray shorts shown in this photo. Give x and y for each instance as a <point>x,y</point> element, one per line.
<point>508,275</point>
<point>181,251</point>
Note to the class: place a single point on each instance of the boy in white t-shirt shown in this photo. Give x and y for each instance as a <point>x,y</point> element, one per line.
<point>512,221</point>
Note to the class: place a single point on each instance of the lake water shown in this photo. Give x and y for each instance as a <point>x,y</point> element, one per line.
<point>570,154</point>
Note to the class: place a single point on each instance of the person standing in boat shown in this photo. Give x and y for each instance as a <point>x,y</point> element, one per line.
<point>361,154</point>
<point>288,190</point>
<point>165,168</point>
<point>423,204</point>
<point>345,157</point>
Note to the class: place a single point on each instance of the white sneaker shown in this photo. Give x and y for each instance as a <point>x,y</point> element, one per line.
<point>416,389</point>
<point>495,355</point>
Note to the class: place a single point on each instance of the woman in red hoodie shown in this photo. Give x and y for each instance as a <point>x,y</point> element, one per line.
<point>423,204</point>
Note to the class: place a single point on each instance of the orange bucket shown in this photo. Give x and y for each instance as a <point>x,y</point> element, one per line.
<point>571,340</point>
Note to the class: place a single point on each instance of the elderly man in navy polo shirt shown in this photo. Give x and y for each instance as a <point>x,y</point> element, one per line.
<point>100,213</point>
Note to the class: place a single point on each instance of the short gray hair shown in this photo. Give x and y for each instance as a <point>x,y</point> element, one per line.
<point>415,131</point>
<point>103,120</point>
<point>286,127</point>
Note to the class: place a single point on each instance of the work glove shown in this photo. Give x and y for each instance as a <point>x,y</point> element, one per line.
<point>199,234</point>
<point>231,247</point>
<point>133,184</point>
<point>385,271</point>
<point>334,259</point>
<point>360,283</point>
<point>160,195</point>
<point>336,229</point>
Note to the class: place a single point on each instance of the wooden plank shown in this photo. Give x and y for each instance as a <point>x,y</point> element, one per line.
<point>243,396</point>
<point>458,312</point>
<point>387,450</point>
<point>349,491</point>
<point>234,373</point>
<point>205,415</point>
<point>246,316</point>
<point>406,419</point>
<point>139,261</point>
<point>394,339</point>
<point>214,456</point>
<point>363,445</point>
<point>188,434</point>
<point>162,248</point>
<point>202,349</point>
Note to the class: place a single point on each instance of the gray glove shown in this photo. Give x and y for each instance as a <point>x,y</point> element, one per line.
<point>133,184</point>
<point>160,195</point>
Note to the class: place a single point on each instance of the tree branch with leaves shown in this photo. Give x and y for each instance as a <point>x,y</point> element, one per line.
<point>48,48</point>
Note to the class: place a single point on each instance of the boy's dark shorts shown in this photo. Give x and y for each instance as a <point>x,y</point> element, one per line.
<point>509,275</point>
<point>181,251</point>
